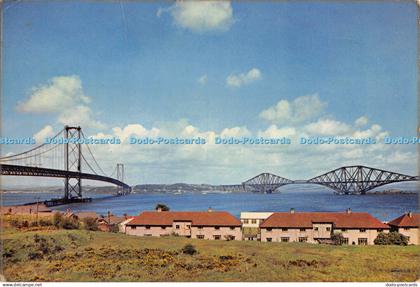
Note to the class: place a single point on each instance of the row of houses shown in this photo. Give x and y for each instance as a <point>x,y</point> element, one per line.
<point>357,228</point>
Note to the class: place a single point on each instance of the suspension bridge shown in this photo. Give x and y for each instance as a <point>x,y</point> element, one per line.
<point>67,157</point>
<point>356,179</point>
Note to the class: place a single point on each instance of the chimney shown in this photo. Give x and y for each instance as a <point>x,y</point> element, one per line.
<point>159,209</point>
<point>348,211</point>
<point>410,214</point>
<point>210,209</point>
<point>292,210</point>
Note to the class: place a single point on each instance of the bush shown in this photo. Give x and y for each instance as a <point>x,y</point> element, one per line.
<point>90,223</point>
<point>337,238</point>
<point>162,206</point>
<point>229,237</point>
<point>45,222</point>
<point>392,238</point>
<point>57,219</point>
<point>189,249</point>
<point>114,228</point>
<point>69,223</point>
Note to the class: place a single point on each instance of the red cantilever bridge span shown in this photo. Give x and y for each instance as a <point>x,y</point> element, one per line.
<point>355,179</point>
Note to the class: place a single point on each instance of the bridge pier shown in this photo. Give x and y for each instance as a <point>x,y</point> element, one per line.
<point>72,162</point>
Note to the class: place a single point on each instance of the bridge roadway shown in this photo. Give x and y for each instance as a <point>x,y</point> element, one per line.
<point>17,170</point>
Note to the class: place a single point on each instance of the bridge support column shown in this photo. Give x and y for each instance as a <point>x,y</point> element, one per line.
<point>120,177</point>
<point>72,162</point>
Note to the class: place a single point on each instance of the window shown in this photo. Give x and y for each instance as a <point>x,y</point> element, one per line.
<point>232,228</point>
<point>133,227</point>
<point>303,239</point>
<point>380,230</point>
<point>188,226</point>
<point>285,239</point>
<point>217,227</point>
<point>232,237</point>
<point>406,228</point>
<point>284,229</point>
<point>269,239</point>
<point>316,228</point>
<point>200,227</point>
<point>177,226</point>
<point>345,241</point>
<point>269,229</point>
<point>253,221</point>
<point>251,238</point>
<point>328,228</point>
<point>200,236</point>
<point>343,230</point>
<point>362,230</point>
<point>246,221</point>
<point>362,241</point>
<point>147,227</point>
<point>302,229</point>
<point>217,237</point>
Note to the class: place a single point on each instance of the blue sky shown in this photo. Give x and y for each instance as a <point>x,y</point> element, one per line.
<point>139,63</point>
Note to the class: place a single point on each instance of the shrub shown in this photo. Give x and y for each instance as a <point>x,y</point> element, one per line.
<point>392,238</point>
<point>45,222</point>
<point>229,237</point>
<point>90,223</point>
<point>69,223</point>
<point>114,228</point>
<point>57,219</point>
<point>162,206</point>
<point>189,249</point>
<point>337,238</point>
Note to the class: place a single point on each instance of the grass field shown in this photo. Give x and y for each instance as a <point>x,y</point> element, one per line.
<point>79,255</point>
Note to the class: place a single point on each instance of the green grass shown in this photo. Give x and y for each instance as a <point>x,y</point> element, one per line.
<point>80,255</point>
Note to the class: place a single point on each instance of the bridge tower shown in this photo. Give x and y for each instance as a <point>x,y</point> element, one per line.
<point>120,177</point>
<point>72,162</point>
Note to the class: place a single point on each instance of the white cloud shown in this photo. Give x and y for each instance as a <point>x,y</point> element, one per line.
<point>58,94</point>
<point>274,132</point>
<point>327,127</point>
<point>203,80</point>
<point>63,96</point>
<point>299,110</point>
<point>79,116</point>
<point>45,132</point>
<point>201,16</point>
<point>238,80</point>
<point>362,121</point>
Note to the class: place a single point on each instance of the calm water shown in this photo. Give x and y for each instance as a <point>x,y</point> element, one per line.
<point>305,198</point>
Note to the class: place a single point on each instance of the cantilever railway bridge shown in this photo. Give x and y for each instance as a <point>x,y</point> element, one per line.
<point>356,179</point>
<point>52,160</point>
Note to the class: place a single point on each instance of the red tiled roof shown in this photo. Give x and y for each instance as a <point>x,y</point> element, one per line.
<point>197,218</point>
<point>406,220</point>
<point>339,219</point>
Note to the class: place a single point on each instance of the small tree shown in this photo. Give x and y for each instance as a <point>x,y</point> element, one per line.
<point>90,223</point>
<point>392,238</point>
<point>162,207</point>
<point>69,223</point>
<point>337,238</point>
<point>189,249</point>
<point>57,219</point>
